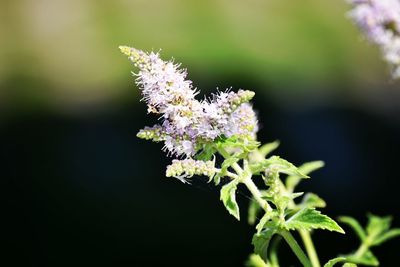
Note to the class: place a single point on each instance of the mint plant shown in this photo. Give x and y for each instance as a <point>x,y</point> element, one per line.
<point>216,138</point>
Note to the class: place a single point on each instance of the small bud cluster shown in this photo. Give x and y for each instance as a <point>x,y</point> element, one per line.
<point>186,122</point>
<point>187,168</point>
<point>380,21</point>
<point>154,133</point>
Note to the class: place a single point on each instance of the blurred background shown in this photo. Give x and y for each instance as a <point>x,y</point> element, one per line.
<point>81,189</point>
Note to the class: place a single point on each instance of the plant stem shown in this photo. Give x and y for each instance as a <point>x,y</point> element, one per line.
<point>307,240</point>
<point>245,177</point>
<point>256,194</point>
<point>311,252</point>
<point>361,250</point>
<point>296,248</point>
<point>273,255</point>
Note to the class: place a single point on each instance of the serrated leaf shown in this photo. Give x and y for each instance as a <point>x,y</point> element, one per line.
<point>261,241</point>
<point>293,180</point>
<point>276,164</point>
<point>355,225</point>
<point>386,236</point>
<point>268,148</point>
<point>312,200</point>
<point>332,262</point>
<point>366,259</point>
<point>228,197</point>
<point>308,218</point>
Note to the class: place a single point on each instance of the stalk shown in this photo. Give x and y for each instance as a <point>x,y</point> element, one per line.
<point>296,248</point>
<point>311,252</point>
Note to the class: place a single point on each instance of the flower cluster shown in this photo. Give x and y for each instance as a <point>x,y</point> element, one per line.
<point>380,21</point>
<point>186,168</point>
<point>186,122</point>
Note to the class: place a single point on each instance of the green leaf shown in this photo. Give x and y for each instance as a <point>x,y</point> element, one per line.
<point>261,240</point>
<point>332,262</point>
<point>293,180</point>
<point>225,166</point>
<point>348,264</point>
<point>277,164</point>
<point>234,141</point>
<point>263,221</point>
<point>312,200</point>
<point>386,236</point>
<point>366,259</point>
<point>207,152</point>
<point>228,197</point>
<point>377,225</point>
<point>308,219</point>
<point>253,210</point>
<point>355,225</point>
<point>268,148</point>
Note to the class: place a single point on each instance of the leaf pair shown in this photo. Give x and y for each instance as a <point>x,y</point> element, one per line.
<point>305,219</point>
<point>377,232</point>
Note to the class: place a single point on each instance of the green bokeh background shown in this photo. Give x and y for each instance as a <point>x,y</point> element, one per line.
<point>62,55</point>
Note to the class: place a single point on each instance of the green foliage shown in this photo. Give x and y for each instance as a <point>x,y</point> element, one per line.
<point>278,164</point>
<point>226,164</point>
<point>264,221</point>
<point>377,231</point>
<point>309,219</point>
<point>293,180</point>
<point>354,224</point>
<point>268,148</point>
<point>228,197</point>
<point>274,211</point>
<point>377,226</point>
<point>332,262</point>
<point>207,152</point>
<point>366,258</point>
<point>261,240</point>
<point>386,236</point>
<point>312,200</point>
<point>254,209</point>
<point>236,142</point>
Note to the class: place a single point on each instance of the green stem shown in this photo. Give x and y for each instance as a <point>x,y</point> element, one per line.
<point>245,176</point>
<point>273,255</point>
<point>311,252</point>
<point>226,155</point>
<point>256,193</point>
<point>361,250</point>
<point>306,237</point>
<point>296,248</point>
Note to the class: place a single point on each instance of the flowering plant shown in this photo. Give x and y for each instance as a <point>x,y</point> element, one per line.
<point>216,138</point>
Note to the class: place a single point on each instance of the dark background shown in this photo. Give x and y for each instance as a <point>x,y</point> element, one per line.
<point>80,189</point>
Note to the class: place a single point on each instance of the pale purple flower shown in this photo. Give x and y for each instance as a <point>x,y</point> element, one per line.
<point>380,22</point>
<point>187,122</point>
